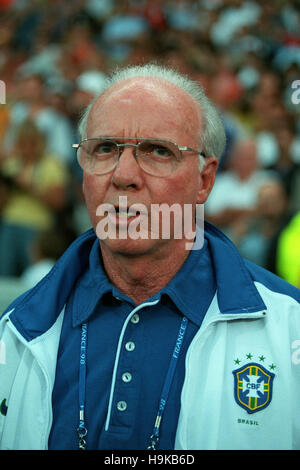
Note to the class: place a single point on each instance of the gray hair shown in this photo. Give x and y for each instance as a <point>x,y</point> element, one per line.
<point>212,137</point>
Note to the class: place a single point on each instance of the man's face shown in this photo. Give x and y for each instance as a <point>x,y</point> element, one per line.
<point>141,108</point>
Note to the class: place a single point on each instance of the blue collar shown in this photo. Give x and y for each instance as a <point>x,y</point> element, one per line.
<point>191,289</point>
<point>37,309</point>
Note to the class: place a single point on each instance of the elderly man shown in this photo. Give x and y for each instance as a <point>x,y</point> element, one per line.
<point>137,339</point>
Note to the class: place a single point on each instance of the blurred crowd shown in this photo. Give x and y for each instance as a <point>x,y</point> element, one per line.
<point>54,57</point>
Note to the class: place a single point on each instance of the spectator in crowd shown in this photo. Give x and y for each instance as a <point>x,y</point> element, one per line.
<point>235,193</point>
<point>37,193</point>
<point>288,164</point>
<point>256,236</point>
<point>52,123</point>
<point>45,251</point>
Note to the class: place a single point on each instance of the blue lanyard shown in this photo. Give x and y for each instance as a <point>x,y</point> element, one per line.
<point>82,430</point>
<point>154,438</point>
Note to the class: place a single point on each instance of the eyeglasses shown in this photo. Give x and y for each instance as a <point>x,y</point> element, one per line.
<point>154,156</point>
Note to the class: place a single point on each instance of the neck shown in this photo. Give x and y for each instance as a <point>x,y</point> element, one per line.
<point>141,276</point>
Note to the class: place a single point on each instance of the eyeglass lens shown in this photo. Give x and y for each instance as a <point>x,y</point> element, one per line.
<point>100,156</point>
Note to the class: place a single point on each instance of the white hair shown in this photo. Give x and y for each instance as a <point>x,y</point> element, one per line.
<point>212,135</point>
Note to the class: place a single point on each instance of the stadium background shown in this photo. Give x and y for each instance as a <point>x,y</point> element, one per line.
<point>54,56</point>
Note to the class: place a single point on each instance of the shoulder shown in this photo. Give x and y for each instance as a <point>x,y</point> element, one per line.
<point>272,282</point>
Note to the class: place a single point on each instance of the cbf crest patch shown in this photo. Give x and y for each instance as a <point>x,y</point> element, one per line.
<point>253,386</point>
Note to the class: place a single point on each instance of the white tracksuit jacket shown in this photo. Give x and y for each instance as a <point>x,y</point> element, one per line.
<point>242,383</point>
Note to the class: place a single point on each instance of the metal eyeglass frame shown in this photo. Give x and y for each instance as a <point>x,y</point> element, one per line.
<point>140,140</point>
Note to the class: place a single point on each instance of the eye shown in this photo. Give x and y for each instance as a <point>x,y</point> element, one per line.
<point>153,149</point>
<point>104,148</point>
<point>161,151</point>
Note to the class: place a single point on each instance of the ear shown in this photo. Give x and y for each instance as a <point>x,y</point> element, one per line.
<point>207,178</point>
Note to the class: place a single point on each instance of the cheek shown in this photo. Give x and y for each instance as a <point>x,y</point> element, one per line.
<point>93,191</point>
<point>88,187</point>
<point>184,188</point>
<point>178,193</point>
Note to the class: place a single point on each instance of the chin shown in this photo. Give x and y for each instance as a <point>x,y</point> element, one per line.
<point>133,248</point>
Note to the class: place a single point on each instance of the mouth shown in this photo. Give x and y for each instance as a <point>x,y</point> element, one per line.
<point>122,216</point>
<point>126,214</point>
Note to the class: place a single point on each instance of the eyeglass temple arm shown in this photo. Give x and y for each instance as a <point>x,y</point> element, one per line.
<point>192,150</point>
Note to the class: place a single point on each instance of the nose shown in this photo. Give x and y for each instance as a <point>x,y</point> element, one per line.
<point>127,174</point>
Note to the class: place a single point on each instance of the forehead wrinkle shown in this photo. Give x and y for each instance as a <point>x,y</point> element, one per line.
<point>161,92</point>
